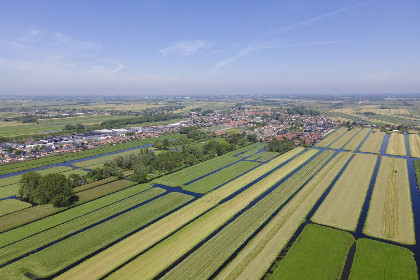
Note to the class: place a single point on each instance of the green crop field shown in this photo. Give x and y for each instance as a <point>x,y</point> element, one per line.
<point>342,207</point>
<point>106,260</point>
<point>93,193</point>
<point>396,145</point>
<point>263,156</point>
<point>68,251</point>
<point>258,255</point>
<point>331,137</point>
<point>376,260</point>
<point>319,252</point>
<point>355,142</point>
<point>414,142</point>
<point>11,205</point>
<point>344,139</point>
<point>94,184</point>
<point>199,265</point>
<point>373,142</point>
<point>210,182</point>
<point>390,213</point>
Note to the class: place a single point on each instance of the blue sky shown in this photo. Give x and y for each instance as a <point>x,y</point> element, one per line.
<point>207,47</point>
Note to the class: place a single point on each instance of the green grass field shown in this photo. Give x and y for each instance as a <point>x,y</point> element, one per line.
<point>94,184</point>
<point>318,253</point>
<point>263,156</point>
<point>210,182</point>
<point>376,260</point>
<point>114,186</point>
<point>11,205</point>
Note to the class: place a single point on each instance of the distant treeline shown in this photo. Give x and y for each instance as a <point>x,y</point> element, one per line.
<point>302,111</point>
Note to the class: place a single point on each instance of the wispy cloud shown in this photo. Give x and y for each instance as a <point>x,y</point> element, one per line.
<point>186,47</point>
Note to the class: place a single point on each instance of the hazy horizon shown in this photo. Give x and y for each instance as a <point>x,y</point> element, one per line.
<point>187,48</point>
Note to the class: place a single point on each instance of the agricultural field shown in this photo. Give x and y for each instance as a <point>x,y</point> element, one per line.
<point>344,139</point>
<point>390,213</point>
<point>319,251</point>
<point>263,156</point>
<point>102,190</point>
<point>11,205</point>
<point>342,207</point>
<point>414,142</point>
<point>331,138</point>
<point>396,145</point>
<point>355,142</point>
<point>377,260</point>
<point>373,142</point>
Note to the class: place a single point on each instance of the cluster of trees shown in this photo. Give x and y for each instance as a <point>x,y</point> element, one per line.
<point>122,122</point>
<point>74,127</point>
<point>300,110</point>
<point>280,146</point>
<point>52,188</point>
<point>23,119</point>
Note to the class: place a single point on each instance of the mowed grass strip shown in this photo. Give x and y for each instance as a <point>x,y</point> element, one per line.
<point>27,245</point>
<point>355,142</point>
<point>152,262</point>
<point>94,184</point>
<point>9,190</point>
<point>414,142</point>
<point>257,256</point>
<point>62,217</point>
<point>396,145</point>
<point>93,193</point>
<point>376,260</point>
<point>318,253</point>
<point>105,261</point>
<point>390,213</point>
<point>331,138</point>
<point>190,173</point>
<point>373,142</point>
<point>263,156</point>
<point>342,207</point>
<point>210,182</point>
<point>203,262</point>
<point>11,205</point>
<point>72,249</point>
<point>344,139</point>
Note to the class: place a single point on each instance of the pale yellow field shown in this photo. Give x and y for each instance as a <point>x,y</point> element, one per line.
<point>344,139</point>
<point>342,207</point>
<point>373,142</point>
<point>330,138</point>
<point>396,145</point>
<point>390,213</point>
<point>124,250</point>
<point>414,142</point>
<point>386,111</point>
<point>355,142</point>
<point>257,256</point>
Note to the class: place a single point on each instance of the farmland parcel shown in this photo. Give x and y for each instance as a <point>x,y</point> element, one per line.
<point>355,142</point>
<point>414,142</point>
<point>396,145</point>
<point>331,138</point>
<point>344,139</point>
<point>373,142</point>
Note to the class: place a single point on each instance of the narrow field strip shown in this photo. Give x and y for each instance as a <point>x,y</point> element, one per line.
<point>102,190</point>
<point>257,256</point>
<point>104,159</point>
<point>378,260</point>
<point>342,207</point>
<point>355,142</point>
<point>204,261</point>
<point>151,263</point>
<point>11,205</point>
<point>390,213</point>
<point>319,252</point>
<point>190,173</point>
<point>10,190</point>
<point>94,184</point>
<point>111,258</point>
<point>396,145</point>
<point>344,139</point>
<point>373,142</point>
<point>74,248</point>
<point>67,215</point>
<point>45,237</point>
<point>263,156</point>
<point>210,182</point>
<point>331,138</point>
<point>253,150</point>
<point>414,142</point>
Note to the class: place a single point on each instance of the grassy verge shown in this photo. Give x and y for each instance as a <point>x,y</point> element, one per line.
<point>344,139</point>
<point>373,142</point>
<point>238,231</point>
<point>210,182</point>
<point>390,213</point>
<point>319,252</point>
<point>396,145</point>
<point>342,207</point>
<point>11,205</point>
<point>377,260</point>
<point>355,142</point>
<point>414,142</point>
<point>257,256</point>
<point>331,138</point>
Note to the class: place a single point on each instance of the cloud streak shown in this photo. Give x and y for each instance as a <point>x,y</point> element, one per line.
<point>186,47</point>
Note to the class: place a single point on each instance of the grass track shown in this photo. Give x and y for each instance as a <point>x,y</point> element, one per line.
<point>355,142</point>
<point>376,260</point>
<point>342,207</point>
<point>396,145</point>
<point>11,205</point>
<point>373,142</point>
<point>123,251</point>
<point>319,252</point>
<point>331,138</point>
<point>344,139</point>
<point>260,252</point>
<point>414,142</point>
<point>390,213</point>
<point>203,262</point>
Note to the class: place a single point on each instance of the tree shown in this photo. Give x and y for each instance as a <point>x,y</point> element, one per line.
<point>74,180</point>
<point>29,183</point>
<point>10,149</point>
<point>55,189</point>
